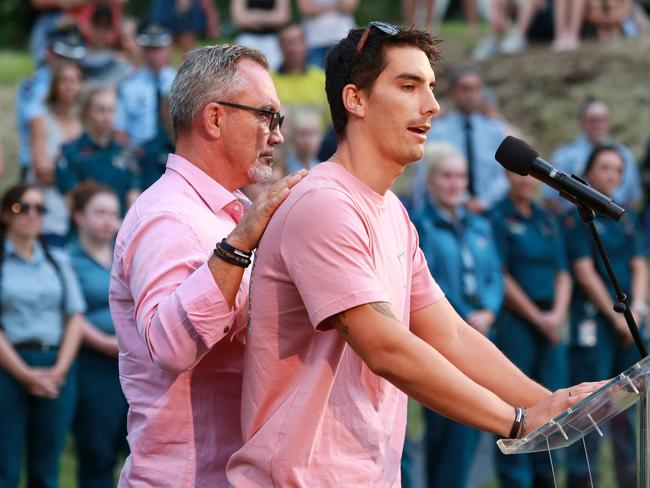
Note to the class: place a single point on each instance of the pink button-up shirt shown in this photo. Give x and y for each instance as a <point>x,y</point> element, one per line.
<point>181,346</point>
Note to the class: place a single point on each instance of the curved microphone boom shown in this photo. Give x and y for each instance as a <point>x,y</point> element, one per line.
<point>517,156</point>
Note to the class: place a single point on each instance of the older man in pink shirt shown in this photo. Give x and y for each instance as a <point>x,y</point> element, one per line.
<point>180,310</point>
<point>345,317</point>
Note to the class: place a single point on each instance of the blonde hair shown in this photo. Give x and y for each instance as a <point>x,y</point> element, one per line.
<point>436,153</point>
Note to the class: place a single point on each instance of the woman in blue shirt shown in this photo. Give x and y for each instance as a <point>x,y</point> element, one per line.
<point>100,421</point>
<point>537,291</point>
<point>40,330</point>
<point>601,344</point>
<point>461,254</point>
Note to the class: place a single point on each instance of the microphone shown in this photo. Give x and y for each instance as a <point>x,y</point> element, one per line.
<point>517,156</point>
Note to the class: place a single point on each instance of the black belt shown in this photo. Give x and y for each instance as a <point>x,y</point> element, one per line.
<point>34,345</point>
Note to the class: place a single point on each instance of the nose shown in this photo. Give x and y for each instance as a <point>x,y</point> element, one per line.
<point>431,106</point>
<point>276,137</point>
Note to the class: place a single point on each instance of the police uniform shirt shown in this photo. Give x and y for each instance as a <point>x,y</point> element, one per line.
<point>152,157</point>
<point>137,105</point>
<point>30,98</point>
<point>623,240</point>
<point>531,248</point>
<point>31,295</point>
<point>111,165</point>
<point>94,279</point>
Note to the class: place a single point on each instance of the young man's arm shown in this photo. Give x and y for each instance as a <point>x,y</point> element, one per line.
<point>425,369</point>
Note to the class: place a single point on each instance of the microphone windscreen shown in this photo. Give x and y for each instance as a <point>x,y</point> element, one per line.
<point>515,155</point>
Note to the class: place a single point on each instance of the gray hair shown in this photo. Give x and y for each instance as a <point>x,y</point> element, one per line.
<point>436,153</point>
<point>207,74</point>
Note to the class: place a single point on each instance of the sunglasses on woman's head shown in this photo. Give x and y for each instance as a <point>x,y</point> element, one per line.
<point>24,208</point>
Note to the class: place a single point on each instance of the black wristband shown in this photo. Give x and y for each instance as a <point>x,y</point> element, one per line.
<point>520,415</point>
<point>233,250</point>
<point>229,257</point>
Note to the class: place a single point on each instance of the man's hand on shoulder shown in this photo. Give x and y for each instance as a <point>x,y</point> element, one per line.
<point>249,230</point>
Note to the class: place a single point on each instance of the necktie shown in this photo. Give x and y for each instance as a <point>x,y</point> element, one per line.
<point>469,155</point>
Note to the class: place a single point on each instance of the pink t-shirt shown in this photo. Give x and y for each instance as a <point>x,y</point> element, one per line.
<point>313,414</point>
<point>181,345</point>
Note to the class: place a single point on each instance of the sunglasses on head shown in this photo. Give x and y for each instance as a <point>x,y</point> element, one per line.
<point>385,27</point>
<point>24,208</point>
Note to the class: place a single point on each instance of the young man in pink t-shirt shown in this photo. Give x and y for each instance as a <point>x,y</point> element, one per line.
<point>345,318</point>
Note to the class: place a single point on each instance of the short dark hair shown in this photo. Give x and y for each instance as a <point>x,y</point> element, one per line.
<point>597,151</point>
<point>461,70</point>
<point>85,191</point>
<point>586,104</point>
<point>343,67</point>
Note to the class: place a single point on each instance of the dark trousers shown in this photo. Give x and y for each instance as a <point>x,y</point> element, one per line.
<point>531,352</point>
<point>451,448</point>
<point>602,361</point>
<point>33,425</point>
<point>100,420</point>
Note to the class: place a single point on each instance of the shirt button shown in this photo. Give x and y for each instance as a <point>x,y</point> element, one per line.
<point>226,329</point>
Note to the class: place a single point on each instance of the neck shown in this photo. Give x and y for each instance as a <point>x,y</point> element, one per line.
<point>99,138</point>
<point>24,245</point>
<point>191,150</point>
<point>523,205</point>
<point>63,110</point>
<point>98,249</point>
<point>367,164</point>
<point>304,159</point>
<point>449,210</point>
<point>294,69</point>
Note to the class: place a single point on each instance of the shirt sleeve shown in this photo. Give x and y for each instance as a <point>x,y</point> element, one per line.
<point>562,262</point>
<point>577,240</point>
<point>64,174</point>
<point>424,290</point>
<point>494,287</point>
<point>179,309</point>
<point>74,300</point>
<point>120,110</point>
<point>328,255</point>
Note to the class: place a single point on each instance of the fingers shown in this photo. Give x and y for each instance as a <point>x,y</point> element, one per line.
<point>288,181</point>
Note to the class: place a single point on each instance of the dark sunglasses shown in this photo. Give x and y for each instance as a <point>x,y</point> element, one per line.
<point>385,27</point>
<point>24,208</point>
<point>276,119</point>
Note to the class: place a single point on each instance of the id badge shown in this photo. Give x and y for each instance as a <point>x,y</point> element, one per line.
<point>587,336</point>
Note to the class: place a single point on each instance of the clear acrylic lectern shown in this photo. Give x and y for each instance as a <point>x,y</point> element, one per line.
<point>590,414</point>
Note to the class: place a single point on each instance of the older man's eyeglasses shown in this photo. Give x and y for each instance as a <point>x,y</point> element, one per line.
<point>275,120</point>
<point>25,208</point>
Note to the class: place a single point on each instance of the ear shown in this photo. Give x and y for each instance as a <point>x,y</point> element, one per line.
<point>212,120</point>
<point>76,216</point>
<point>354,100</point>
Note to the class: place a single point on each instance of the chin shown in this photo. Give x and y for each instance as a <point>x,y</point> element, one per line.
<point>259,173</point>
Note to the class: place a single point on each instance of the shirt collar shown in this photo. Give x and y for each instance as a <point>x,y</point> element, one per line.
<point>37,256</point>
<point>213,194</point>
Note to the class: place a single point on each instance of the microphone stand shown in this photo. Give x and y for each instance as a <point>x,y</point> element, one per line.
<point>622,301</point>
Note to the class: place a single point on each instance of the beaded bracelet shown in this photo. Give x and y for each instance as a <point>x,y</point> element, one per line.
<point>237,257</point>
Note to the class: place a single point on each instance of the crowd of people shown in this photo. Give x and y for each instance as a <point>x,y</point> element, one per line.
<point>95,129</point>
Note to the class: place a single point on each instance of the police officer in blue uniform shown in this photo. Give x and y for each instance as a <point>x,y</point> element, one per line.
<point>30,95</point>
<point>152,156</point>
<point>140,93</point>
<point>601,344</point>
<point>537,291</point>
<point>40,328</point>
<point>100,419</point>
<point>462,256</point>
<point>96,155</point>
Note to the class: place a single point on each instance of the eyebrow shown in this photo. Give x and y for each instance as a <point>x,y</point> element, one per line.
<point>414,77</point>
